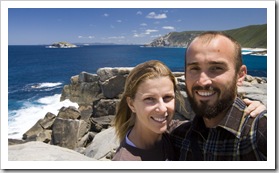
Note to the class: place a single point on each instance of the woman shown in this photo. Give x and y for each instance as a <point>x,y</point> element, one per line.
<point>145,111</point>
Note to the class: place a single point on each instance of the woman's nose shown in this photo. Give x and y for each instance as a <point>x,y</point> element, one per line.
<point>161,107</point>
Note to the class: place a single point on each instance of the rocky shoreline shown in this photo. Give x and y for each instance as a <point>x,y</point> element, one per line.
<point>85,133</point>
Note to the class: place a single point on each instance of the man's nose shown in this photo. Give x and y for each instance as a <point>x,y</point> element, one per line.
<point>204,79</point>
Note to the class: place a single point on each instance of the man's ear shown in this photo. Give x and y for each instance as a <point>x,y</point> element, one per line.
<point>241,75</point>
<point>131,104</point>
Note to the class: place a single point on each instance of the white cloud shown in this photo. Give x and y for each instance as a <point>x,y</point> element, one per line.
<point>106,15</point>
<point>153,15</point>
<point>155,36</point>
<point>148,31</point>
<point>168,27</point>
<point>116,37</point>
<point>86,37</point>
<point>143,24</point>
<point>119,21</point>
<point>137,35</point>
<point>139,13</point>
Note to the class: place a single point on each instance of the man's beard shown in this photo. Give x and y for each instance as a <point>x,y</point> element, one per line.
<point>203,109</point>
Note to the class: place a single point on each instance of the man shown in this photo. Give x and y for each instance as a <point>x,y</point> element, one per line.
<point>219,131</point>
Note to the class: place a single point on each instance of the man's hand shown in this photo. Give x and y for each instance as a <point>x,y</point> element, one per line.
<point>254,108</point>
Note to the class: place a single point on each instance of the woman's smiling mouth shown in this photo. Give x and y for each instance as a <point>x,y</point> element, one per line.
<point>159,119</point>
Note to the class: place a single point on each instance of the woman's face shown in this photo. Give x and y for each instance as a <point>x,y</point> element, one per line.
<point>154,104</point>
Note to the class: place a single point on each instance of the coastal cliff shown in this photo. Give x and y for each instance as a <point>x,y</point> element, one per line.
<point>253,36</point>
<point>81,131</point>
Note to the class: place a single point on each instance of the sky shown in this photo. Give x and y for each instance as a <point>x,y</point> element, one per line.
<point>31,26</point>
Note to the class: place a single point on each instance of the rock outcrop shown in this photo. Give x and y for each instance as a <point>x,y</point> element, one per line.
<point>254,36</point>
<point>29,152</point>
<point>61,45</point>
<point>87,129</point>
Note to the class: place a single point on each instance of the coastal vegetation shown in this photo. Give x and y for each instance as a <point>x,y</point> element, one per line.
<point>252,36</point>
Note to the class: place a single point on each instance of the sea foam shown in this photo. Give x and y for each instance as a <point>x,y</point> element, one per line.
<point>24,118</point>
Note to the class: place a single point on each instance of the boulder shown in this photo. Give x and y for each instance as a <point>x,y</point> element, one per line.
<point>41,131</point>
<point>67,132</point>
<point>104,107</point>
<point>70,112</point>
<point>39,151</point>
<point>103,145</point>
<point>83,89</point>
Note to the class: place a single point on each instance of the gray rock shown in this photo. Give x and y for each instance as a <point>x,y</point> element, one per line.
<point>39,151</point>
<point>41,131</point>
<point>105,107</point>
<point>109,72</point>
<point>70,112</point>
<point>113,87</point>
<point>67,132</point>
<point>103,146</point>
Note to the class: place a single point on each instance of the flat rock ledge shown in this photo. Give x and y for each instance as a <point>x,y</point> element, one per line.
<point>85,133</point>
<point>40,151</point>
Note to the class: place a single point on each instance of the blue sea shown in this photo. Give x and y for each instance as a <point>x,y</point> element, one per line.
<point>36,74</point>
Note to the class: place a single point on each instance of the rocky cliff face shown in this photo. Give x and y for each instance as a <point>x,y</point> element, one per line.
<point>249,36</point>
<point>173,39</point>
<point>84,129</point>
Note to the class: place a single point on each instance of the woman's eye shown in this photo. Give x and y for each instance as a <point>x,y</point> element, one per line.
<point>168,98</point>
<point>149,99</point>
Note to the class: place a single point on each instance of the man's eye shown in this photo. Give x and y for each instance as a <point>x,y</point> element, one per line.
<point>194,68</point>
<point>216,68</point>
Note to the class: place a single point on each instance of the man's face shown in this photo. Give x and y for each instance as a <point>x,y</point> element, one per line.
<point>211,80</point>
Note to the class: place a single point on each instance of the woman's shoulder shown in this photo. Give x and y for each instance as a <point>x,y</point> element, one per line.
<point>124,155</point>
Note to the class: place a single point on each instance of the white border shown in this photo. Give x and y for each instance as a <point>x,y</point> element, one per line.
<point>270,164</point>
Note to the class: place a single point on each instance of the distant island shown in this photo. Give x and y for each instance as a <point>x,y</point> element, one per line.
<point>61,45</point>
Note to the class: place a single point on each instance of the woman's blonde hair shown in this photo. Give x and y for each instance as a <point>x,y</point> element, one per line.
<point>124,118</point>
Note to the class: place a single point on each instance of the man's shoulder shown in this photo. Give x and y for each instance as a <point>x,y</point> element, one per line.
<point>182,128</point>
<point>176,123</point>
<point>257,124</point>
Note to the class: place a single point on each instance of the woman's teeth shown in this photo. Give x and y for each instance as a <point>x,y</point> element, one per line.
<point>159,119</point>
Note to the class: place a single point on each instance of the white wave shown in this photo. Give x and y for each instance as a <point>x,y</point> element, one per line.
<point>46,85</point>
<point>246,53</point>
<point>23,119</point>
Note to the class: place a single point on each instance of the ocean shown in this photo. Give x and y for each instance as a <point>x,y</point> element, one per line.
<point>36,74</point>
